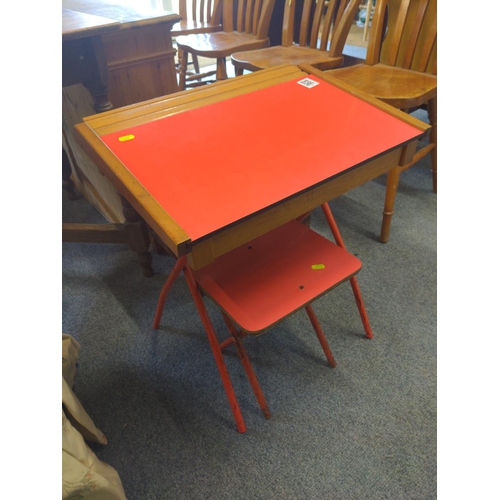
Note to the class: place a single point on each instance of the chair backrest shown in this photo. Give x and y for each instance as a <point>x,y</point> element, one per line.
<point>324,24</point>
<point>248,16</point>
<point>404,34</point>
<point>205,11</point>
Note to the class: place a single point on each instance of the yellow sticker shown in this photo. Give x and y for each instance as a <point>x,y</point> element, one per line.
<point>318,266</point>
<point>124,138</point>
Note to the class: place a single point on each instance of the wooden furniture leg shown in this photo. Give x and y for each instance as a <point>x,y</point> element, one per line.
<point>137,235</point>
<point>221,69</point>
<point>67,183</point>
<point>390,197</point>
<point>432,111</point>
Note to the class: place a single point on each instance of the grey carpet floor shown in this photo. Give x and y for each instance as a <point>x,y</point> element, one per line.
<point>363,430</point>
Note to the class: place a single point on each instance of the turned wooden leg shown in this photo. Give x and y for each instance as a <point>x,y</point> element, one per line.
<point>183,70</point>
<point>221,69</point>
<point>238,71</point>
<point>432,111</point>
<point>67,183</point>
<point>196,64</point>
<point>137,236</point>
<point>97,83</point>
<point>390,197</point>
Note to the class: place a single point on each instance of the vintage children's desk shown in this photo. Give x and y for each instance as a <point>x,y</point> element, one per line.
<point>212,168</point>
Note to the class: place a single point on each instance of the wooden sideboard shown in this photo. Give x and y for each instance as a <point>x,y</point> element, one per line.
<point>113,55</point>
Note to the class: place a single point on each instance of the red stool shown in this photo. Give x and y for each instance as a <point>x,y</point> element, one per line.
<point>261,283</point>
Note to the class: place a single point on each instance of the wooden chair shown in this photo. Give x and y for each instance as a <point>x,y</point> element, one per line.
<point>198,16</point>
<point>263,282</point>
<point>243,29</point>
<point>322,32</point>
<point>401,69</point>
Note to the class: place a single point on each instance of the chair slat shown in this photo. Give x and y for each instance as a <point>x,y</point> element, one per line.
<point>413,30</point>
<point>264,19</point>
<point>328,23</point>
<point>183,9</point>
<point>316,24</point>
<point>376,33</point>
<point>227,16</point>
<point>397,32</point>
<point>344,19</point>
<point>425,51</point>
<point>256,15</point>
<point>288,23</point>
<point>304,24</point>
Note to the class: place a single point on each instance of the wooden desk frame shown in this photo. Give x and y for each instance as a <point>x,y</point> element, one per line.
<point>205,250</point>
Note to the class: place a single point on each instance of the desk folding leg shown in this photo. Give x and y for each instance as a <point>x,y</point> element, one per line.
<point>181,265</point>
<point>354,282</point>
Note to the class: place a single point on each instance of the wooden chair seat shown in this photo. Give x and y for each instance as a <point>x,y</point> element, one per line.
<point>259,284</point>
<point>401,88</point>
<point>220,44</point>
<point>317,37</point>
<point>245,25</point>
<point>401,70</point>
<point>198,16</point>
<point>269,57</point>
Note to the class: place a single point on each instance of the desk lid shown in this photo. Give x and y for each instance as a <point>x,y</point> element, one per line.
<point>212,166</point>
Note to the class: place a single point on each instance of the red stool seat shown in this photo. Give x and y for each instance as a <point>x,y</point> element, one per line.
<point>261,283</point>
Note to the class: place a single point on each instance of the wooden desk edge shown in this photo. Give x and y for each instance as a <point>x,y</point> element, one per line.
<point>205,251</point>
<point>103,25</point>
<point>130,188</point>
<point>136,114</point>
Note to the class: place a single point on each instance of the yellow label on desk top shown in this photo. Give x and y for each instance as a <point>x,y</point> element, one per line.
<point>318,266</point>
<point>124,138</point>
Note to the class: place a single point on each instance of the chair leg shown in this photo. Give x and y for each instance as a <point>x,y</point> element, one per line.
<point>321,336</point>
<point>179,265</point>
<point>245,361</point>
<point>214,344</point>
<point>221,73</point>
<point>183,70</point>
<point>196,63</point>
<point>432,111</point>
<point>391,189</point>
<point>354,282</point>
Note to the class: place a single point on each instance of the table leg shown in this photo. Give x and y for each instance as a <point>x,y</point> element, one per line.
<point>67,183</point>
<point>137,236</point>
<point>97,83</point>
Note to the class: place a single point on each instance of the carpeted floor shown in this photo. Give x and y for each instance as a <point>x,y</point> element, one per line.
<point>363,430</point>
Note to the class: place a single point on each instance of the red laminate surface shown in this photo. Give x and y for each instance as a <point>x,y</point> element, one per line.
<point>276,274</point>
<point>214,165</point>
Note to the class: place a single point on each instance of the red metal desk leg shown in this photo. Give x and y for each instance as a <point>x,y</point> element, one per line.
<point>214,344</point>
<point>353,280</point>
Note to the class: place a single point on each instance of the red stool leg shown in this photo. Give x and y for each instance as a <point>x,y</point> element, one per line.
<point>245,361</point>
<point>214,344</point>
<point>354,283</point>
<point>361,308</point>
<point>321,336</point>
<point>181,262</point>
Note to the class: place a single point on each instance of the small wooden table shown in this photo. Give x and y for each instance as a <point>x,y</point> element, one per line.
<point>212,168</point>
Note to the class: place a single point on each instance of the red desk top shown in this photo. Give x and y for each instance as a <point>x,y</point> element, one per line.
<point>214,165</point>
